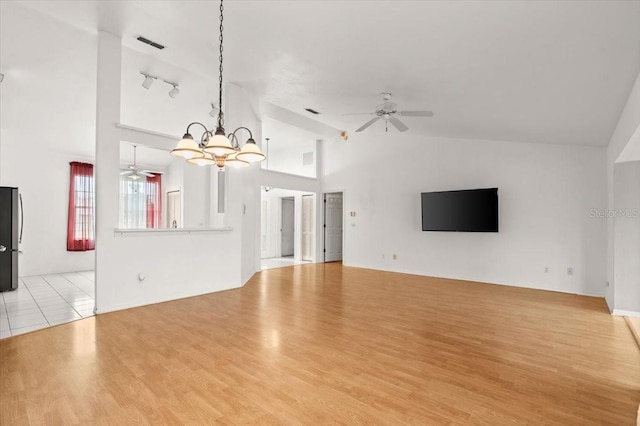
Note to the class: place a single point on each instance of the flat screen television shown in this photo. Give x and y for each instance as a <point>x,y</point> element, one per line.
<point>471,210</point>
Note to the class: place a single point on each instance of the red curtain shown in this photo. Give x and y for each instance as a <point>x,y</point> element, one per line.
<point>154,201</point>
<point>81,222</point>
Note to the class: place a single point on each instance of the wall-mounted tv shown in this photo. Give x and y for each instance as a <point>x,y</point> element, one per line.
<point>471,210</point>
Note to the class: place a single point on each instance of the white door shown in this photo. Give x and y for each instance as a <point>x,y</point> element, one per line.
<point>333,227</point>
<point>307,227</point>
<point>287,227</point>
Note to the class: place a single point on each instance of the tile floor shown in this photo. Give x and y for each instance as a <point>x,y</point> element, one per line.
<point>46,300</point>
<point>279,262</point>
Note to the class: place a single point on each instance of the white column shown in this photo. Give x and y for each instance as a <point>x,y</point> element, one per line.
<point>627,238</point>
<point>107,150</point>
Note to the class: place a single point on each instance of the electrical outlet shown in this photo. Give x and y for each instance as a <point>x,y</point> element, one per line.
<point>395,256</point>
<point>546,269</point>
<point>569,271</point>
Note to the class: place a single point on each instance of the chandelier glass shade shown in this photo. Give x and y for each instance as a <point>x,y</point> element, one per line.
<point>250,152</point>
<point>219,144</point>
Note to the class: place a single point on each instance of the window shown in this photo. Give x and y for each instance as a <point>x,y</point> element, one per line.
<point>81,221</point>
<point>140,201</point>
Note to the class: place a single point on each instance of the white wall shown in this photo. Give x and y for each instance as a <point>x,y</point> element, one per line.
<point>627,237</point>
<point>627,125</point>
<point>47,119</point>
<point>176,264</point>
<point>287,146</point>
<point>545,192</point>
<point>196,199</point>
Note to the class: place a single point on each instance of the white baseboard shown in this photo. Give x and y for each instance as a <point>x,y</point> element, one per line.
<point>591,293</point>
<point>621,313</point>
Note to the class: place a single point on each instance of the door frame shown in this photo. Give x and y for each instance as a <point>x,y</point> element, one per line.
<point>324,223</point>
<point>293,224</point>
<point>312,197</point>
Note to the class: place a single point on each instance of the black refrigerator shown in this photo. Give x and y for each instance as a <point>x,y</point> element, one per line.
<point>9,237</point>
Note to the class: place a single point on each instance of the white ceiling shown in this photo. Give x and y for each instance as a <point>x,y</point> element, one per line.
<point>533,71</point>
<point>146,157</point>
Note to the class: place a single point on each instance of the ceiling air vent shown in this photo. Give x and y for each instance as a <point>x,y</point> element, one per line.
<point>150,43</point>
<point>312,111</point>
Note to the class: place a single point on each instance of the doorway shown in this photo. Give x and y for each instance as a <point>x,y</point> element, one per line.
<point>287,227</point>
<point>174,209</point>
<point>333,227</point>
<point>288,219</point>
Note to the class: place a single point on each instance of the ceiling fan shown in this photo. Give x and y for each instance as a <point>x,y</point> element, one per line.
<point>388,111</point>
<point>134,171</point>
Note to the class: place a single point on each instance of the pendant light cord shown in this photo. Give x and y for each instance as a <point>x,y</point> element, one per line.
<point>221,114</point>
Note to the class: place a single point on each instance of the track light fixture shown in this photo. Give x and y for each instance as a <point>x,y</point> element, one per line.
<point>175,91</point>
<point>215,147</point>
<point>148,80</point>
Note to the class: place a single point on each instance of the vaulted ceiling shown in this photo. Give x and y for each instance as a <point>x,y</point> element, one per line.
<point>530,71</point>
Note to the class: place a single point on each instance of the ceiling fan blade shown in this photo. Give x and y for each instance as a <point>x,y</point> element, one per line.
<point>368,123</point>
<point>128,172</point>
<point>415,113</point>
<point>398,124</point>
<point>146,173</point>
<point>360,113</point>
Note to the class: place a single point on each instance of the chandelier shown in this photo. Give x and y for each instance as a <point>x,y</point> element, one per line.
<point>215,147</point>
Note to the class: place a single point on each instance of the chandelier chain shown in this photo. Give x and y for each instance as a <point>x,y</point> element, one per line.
<point>217,147</point>
<point>221,114</point>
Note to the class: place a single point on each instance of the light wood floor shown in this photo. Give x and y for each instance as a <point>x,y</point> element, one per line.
<point>319,344</point>
<point>634,326</point>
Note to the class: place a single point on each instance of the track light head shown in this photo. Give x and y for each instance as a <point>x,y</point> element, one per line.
<point>148,80</point>
<point>175,91</point>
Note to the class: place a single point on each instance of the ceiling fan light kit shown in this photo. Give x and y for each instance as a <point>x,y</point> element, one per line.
<point>215,147</point>
<point>388,111</point>
<point>134,171</point>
